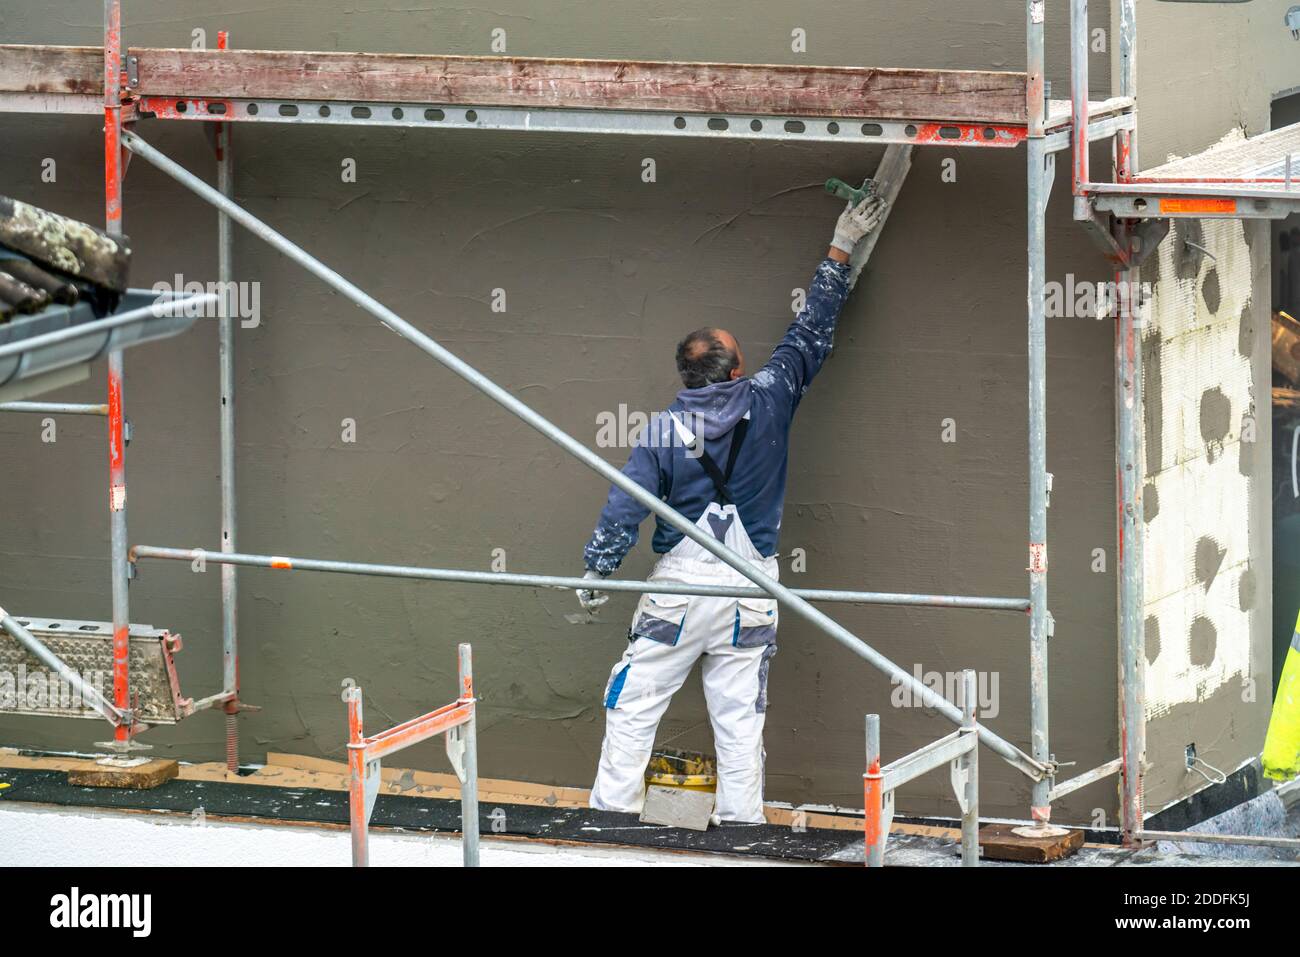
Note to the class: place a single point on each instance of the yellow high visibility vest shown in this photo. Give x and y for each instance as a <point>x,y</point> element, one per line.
<point>1281,757</point>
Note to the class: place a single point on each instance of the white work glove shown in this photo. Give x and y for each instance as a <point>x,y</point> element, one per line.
<point>857,222</point>
<point>589,598</point>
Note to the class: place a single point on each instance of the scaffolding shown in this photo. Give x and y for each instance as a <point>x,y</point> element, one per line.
<point>1126,217</point>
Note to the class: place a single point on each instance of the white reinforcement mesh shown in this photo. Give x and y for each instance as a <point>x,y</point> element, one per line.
<point>1198,543</point>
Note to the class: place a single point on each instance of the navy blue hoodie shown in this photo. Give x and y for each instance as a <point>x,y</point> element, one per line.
<point>661,464</point>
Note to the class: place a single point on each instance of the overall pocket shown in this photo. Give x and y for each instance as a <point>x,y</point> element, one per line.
<point>756,620</point>
<point>660,617</point>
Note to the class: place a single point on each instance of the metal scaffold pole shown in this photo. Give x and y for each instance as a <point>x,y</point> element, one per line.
<point>1041,165</point>
<point>468,771</point>
<point>1130,467</point>
<point>226,359</point>
<point>119,567</point>
<point>474,577</point>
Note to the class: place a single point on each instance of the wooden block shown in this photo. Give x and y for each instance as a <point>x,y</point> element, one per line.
<point>999,842</point>
<point>140,777</point>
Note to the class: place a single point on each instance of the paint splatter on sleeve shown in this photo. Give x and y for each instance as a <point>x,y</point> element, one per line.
<point>620,520</point>
<point>810,338</point>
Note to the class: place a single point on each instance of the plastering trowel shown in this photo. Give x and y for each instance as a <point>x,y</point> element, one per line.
<point>853,194</point>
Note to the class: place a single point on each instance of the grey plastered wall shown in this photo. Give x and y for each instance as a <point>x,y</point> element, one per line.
<point>602,274</point>
<point>1206,349</point>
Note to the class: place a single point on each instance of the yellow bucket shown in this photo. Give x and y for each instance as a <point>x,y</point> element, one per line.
<point>689,770</point>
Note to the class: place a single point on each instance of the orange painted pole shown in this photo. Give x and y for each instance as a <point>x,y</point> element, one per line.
<point>118,568</point>
<point>357,778</point>
<point>873,798</point>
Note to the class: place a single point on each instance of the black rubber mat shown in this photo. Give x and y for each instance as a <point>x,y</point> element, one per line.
<point>314,805</point>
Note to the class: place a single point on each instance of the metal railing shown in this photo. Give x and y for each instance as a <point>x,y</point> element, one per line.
<point>959,750</point>
<point>366,753</point>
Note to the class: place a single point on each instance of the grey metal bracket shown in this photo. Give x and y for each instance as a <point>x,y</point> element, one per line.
<point>886,819</point>
<point>1049,178</point>
<point>959,775</point>
<point>1147,235</point>
<point>456,744</point>
<point>1132,246</point>
<point>130,64</point>
<point>372,778</point>
<point>1101,230</point>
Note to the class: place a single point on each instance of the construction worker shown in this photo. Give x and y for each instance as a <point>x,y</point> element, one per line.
<point>718,456</point>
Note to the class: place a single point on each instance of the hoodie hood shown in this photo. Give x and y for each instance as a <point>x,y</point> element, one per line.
<point>715,409</point>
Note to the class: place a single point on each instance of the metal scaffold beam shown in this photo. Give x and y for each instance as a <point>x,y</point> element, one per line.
<point>472,577</point>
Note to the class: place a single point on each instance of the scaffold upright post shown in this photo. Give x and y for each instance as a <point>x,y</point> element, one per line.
<point>226,377</point>
<point>970,799</point>
<point>873,797</point>
<point>1040,169</point>
<point>1130,472</point>
<point>358,813</point>
<point>119,569</point>
<point>469,785</point>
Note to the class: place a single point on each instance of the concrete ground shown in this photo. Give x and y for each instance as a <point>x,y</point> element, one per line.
<point>82,837</point>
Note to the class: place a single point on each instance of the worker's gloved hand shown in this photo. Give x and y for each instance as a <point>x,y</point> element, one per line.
<point>856,222</point>
<point>589,598</point>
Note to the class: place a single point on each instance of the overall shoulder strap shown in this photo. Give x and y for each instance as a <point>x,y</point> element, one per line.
<point>737,437</point>
<point>715,474</point>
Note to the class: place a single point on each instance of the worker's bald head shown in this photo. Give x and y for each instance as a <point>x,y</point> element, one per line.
<point>708,356</point>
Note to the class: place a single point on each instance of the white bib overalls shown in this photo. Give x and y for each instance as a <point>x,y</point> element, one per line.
<point>735,637</point>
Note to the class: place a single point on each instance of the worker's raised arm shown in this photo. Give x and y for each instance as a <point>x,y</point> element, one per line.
<point>808,341</point>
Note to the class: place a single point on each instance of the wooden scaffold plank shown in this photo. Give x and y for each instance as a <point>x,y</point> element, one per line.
<point>532,83</point>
